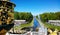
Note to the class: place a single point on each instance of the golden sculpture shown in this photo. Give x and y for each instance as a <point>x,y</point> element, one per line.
<point>53,32</point>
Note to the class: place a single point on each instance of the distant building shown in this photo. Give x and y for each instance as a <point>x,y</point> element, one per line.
<point>18,22</point>
<point>54,22</point>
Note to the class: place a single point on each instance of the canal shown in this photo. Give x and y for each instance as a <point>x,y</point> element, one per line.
<point>36,24</point>
<point>40,26</point>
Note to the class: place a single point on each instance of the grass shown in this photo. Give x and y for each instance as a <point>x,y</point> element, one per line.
<point>52,26</point>
<point>27,25</point>
<point>24,25</point>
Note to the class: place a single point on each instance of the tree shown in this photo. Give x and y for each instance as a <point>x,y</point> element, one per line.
<point>50,16</point>
<point>23,16</point>
<point>16,16</point>
<point>57,15</point>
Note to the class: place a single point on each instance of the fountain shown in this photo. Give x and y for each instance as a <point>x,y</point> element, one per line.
<point>6,16</point>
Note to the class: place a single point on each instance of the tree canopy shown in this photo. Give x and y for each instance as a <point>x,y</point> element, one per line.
<point>50,16</point>
<point>23,16</point>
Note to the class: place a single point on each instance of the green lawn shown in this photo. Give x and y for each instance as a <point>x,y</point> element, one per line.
<point>52,26</point>
<point>24,25</point>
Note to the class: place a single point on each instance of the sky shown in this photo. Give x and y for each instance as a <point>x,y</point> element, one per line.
<point>37,6</point>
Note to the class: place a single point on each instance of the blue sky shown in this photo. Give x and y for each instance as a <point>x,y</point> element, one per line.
<point>37,6</point>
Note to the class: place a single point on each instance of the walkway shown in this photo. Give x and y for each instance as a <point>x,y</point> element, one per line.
<point>42,29</point>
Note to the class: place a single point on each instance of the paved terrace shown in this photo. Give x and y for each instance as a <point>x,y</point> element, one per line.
<point>54,22</point>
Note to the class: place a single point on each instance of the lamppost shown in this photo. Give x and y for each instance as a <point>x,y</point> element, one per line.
<point>6,16</point>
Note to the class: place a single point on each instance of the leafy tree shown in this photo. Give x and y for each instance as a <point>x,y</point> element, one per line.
<point>16,16</point>
<point>23,16</point>
<point>37,16</point>
<point>50,16</point>
<point>57,15</point>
